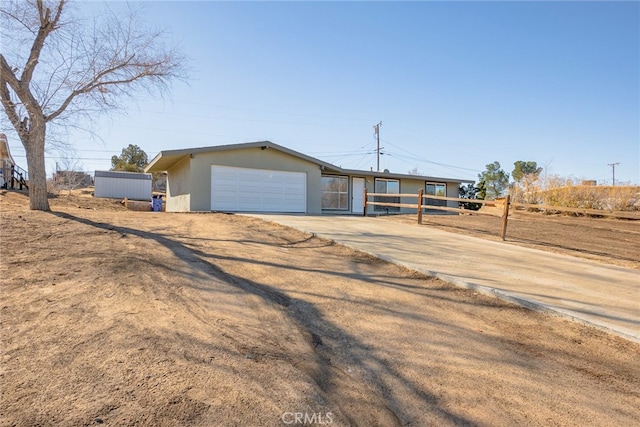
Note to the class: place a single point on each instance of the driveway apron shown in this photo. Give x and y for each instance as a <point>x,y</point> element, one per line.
<point>601,295</point>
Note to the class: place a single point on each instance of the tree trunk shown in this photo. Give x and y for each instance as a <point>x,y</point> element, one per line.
<point>37,171</point>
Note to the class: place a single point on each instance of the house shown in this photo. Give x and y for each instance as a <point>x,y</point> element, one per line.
<point>11,175</point>
<point>120,185</point>
<point>266,177</point>
<point>6,162</point>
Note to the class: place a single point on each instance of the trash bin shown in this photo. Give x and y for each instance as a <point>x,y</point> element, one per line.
<point>156,204</point>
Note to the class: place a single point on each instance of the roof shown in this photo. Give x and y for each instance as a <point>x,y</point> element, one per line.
<point>123,175</point>
<point>392,175</point>
<point>165,159</point>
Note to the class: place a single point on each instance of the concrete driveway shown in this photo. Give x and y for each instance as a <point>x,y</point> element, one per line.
<point>607,297</point>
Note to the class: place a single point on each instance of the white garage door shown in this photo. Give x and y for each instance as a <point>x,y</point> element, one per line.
<point>257,190</point>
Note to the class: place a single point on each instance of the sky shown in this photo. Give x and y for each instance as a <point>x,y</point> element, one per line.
<point>456,86</point>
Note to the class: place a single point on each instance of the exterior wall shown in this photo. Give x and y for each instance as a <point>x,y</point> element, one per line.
<point>407,186</point>
<point>179,203</point>
<point>250,158</point>
<point>178,187</point>
<point>117,187</point>
<point>453,190</point>
<point>411,186</point>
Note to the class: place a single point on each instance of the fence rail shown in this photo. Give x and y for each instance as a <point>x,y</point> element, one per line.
<point>584,211</point>
<point>506,203</point>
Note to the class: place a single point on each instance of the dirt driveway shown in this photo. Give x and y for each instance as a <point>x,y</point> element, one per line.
<point>114,317</point>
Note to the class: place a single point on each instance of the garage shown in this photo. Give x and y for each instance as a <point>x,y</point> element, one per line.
<point>235,189</point>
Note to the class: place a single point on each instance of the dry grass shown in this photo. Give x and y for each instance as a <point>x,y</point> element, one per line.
<point>618,198</point>
<point>567,192</point>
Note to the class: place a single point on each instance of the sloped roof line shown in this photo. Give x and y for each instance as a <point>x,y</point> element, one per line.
<point>178,154</point>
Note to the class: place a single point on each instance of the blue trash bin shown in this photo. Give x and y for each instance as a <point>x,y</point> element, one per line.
<point>156,204</point>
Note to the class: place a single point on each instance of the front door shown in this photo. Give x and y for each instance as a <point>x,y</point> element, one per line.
<point>357,195</point>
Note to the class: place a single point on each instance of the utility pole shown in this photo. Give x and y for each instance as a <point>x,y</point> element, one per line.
<point>376,131</point>
<point>613,169</point>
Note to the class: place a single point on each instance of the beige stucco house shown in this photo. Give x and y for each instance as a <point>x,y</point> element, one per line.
<point>266,177</point>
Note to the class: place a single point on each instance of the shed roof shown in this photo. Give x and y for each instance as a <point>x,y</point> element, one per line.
<point>165,159</point>
<point>123,175</point>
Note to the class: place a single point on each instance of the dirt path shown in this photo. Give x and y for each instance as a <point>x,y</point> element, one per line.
<point>129,318</point>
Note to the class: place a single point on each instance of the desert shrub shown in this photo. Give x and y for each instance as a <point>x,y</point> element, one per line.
<point>568,192</point>
<point>619,198</point>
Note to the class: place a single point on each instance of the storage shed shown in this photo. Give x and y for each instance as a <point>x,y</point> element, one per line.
<point>118,185</point>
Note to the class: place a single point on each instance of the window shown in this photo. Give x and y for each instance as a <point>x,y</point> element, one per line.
<point>436,189</point>
<point>388,186</point>
<point>335,190</point>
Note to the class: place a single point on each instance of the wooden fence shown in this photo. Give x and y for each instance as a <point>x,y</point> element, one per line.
<point>506,203</point>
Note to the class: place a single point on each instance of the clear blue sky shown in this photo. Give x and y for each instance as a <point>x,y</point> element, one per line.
<point>457,85</point>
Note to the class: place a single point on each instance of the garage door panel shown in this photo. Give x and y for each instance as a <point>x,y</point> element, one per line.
<point>257,190</point>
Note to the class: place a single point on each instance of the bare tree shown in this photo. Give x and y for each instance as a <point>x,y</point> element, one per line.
<point>58,66</point>
<point>69,175</point>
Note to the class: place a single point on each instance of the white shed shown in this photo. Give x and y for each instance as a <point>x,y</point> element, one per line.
<point>118,185</point>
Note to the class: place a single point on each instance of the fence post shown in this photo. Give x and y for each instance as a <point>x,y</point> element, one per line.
<point>420,192</point>
<point>364,212</point>
<point>505,215</point>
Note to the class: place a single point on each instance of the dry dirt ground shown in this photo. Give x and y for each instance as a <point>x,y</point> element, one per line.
<point>608,240</point>
<point>121,318</point>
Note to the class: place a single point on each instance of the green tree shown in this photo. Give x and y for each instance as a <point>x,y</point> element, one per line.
<point>57,66</point>
<point>471,192</point>
<point>495,180</point>
<point>132,159</point>
<point>522,169</point>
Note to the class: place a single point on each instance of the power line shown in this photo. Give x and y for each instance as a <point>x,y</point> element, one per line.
<point>67,157</point>
<point>417,157</point>
<point>408,159</point>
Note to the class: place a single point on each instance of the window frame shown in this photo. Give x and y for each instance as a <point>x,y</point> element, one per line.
<point>435,202</point>
<point>388,209</point>
<point>338,193</point>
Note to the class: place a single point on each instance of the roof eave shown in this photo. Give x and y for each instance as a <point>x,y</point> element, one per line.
<point>403,176</point>
<point>170,157</point>
<point>163,161</point>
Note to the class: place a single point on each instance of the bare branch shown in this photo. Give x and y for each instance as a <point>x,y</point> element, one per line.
<point>72,71</point>
<point>20,19</point>
<point>8,79</point>
<point>47,26</point>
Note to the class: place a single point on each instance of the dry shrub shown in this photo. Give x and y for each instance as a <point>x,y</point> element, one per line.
<point>618,198</point>
<point>568,192</point>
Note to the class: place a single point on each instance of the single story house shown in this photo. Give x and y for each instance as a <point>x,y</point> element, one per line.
<point>266,177</point>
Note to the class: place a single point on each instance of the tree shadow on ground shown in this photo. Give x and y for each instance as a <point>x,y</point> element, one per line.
<point>338,386</point>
